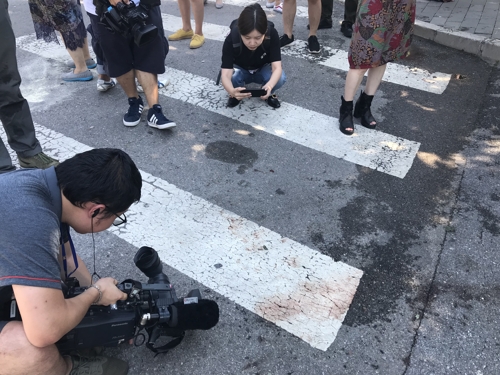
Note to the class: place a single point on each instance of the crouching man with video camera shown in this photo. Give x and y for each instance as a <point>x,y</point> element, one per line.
<point>131,35</point>
<point>88,192</point>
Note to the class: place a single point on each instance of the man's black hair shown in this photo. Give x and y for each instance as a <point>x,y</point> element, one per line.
<point>103,175</point>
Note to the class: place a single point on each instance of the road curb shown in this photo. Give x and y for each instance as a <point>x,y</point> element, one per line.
<point>486,48</point>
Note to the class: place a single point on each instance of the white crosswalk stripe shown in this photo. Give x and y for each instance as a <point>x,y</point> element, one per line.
<point>420,79</point>
<point>291,285</point>
<point>370,148</point>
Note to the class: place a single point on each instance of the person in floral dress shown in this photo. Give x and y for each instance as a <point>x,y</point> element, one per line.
<point>64,16</point>
<point>383,33</point>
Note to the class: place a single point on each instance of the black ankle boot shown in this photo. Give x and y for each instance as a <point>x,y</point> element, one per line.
<point>345,118</point>
<point>362,109</point>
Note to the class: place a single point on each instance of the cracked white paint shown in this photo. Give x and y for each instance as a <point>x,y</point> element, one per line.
<point>415,78</point>
<point>370,148</point>
<point>297,288</point>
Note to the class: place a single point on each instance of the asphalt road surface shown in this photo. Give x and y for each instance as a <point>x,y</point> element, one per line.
<point>327,254</point>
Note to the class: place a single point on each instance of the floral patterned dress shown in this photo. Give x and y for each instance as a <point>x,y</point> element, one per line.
<point>382,32</point>
<point>64,16</point>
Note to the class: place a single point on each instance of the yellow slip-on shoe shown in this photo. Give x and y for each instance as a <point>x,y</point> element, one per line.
<point>181,34</point>
<point>197,41</point>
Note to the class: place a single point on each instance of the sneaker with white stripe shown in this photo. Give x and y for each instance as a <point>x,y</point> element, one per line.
<point>156,118</point>
<point>133,115</point>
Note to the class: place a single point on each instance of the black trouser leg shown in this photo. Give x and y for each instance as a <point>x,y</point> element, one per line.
<point>14,110</point>
<point>326,10</point>
<point>351,6</point>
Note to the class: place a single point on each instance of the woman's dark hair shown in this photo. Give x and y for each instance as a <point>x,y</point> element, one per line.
<point>103,175</point>
<point>252,18</point>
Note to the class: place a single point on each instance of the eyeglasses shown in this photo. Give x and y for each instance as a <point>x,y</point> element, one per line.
<point>120,219</point>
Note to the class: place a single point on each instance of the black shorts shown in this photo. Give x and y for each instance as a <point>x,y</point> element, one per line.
<point>122,55</point>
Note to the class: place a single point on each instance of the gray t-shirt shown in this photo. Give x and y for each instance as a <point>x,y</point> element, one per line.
<point>30,219</point>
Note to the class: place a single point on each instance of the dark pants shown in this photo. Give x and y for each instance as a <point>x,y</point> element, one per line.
<point>14,110</point>
<point>326,10</point>
<point>351,6</point>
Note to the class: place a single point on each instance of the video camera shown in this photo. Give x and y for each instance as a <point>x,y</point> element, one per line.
<point>129,19</point>
<point>152,307</point>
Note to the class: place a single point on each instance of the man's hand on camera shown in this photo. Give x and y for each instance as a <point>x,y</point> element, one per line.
<point>110,293</point>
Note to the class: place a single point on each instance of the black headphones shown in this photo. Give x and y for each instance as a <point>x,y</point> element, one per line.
<point>96,212</point>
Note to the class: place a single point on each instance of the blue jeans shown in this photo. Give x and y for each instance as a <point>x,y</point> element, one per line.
<point>262,76</point>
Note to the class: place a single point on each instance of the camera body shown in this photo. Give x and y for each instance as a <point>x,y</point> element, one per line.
<point>130,19</point>
<point>152,307</point>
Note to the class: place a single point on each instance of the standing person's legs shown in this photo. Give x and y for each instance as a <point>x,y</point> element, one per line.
<point>326,15</point>
<point>186,32</point>
<point>289,10</point>
<point>375,76</point>
<point>326,21</point>
<point>149,83</point>
<point>352,82</point>
<point>314,11</point>
<point>14,109</point>
<point>185,10</point>
<point>198,12</point>
<point>78,57</point>
<point>350,8</point>
<point>327,10</point>
<point>104,81</point>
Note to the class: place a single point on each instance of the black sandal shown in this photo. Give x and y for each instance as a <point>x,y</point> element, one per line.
<point>362,109</point>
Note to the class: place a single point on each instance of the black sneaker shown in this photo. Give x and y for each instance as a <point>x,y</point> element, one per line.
<point>285,40</point>
<point>133,115</point>
<point>313,44</point>
<point>273,101</point>
<point>156,118</point>
<point>346,29</point>
<point>232,102</point>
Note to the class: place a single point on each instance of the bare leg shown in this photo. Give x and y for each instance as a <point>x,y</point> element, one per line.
<point>185,9</point>
<point>198,13</point>
<point>352,82</point>
<point>375,76</point>
<point>78,58</point>
<point>289,10</point>
<point>314,10</point>
<point>19,356</point>
<point>127,82</point>
<point>149,83</point>
<point>86,52</point>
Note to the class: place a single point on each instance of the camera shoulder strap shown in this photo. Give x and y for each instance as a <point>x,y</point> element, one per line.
<point>165,348</point>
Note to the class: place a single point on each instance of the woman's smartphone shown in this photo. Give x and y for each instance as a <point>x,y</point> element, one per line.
<point>255,92</point>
